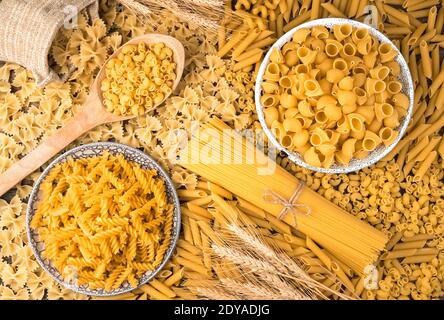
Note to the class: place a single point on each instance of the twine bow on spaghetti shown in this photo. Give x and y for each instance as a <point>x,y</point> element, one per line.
<point>289,205</point>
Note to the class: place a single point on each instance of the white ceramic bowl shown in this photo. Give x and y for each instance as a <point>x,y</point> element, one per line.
<point>355,164</point>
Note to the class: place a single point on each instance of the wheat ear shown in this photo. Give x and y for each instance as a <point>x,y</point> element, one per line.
<point>216,293</point>
<point>287,267</point>
<point>251,291</point>
<point>242,259</point>
<point>207,14</point>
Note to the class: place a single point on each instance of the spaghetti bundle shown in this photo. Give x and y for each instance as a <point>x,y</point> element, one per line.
<point>226,159</point>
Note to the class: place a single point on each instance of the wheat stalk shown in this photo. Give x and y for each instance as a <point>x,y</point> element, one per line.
<point>305,278</point>
<point>242,259</point>
<point>216,293</point>
<point>137,7</point>
<point>260,268</point>
<point>266,271</point>
<point>251,291</point>
<point>263,270</point>
<point>207,14</point>
<point>281,261</point>
<point>258,246</point>
<point>285,287</point>
<point>260,276</point>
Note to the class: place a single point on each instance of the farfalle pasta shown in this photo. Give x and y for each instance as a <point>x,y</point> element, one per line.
<point>383,195</point>
<point>103,221</point>
<point>333,95</point>
<point>138,79</point>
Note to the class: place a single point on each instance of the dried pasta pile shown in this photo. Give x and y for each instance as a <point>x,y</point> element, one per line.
<point>103,221</point>
<point>333,95</point>
<point>138,79</point>
<point>219,81</point>
<point>349,240</point>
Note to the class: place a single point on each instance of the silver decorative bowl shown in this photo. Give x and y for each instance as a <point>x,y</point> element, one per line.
<point>91,150</point>
<point>355,164</point>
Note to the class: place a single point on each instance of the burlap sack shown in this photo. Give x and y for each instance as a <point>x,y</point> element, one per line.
<point>28,28</point>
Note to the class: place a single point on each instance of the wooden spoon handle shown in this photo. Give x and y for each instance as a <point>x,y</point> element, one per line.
<point>80,124</point>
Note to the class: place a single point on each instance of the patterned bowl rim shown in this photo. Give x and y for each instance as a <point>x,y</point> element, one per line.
<point>355,164</point>
<point>171,193</point>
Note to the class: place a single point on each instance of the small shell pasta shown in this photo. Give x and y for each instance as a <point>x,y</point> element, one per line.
<point>148,77</point>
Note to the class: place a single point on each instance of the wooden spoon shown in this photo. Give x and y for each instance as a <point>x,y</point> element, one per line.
<point>92,114</point>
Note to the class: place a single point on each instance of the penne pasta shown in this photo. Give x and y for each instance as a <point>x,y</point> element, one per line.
<point>426,61</point>
<point>237,36</point>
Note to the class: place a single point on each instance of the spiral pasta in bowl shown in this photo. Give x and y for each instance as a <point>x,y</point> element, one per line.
<point>103,219</point>
<point>335,95</point>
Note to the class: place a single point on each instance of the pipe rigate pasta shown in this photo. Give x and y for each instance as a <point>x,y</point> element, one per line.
<point>342,80</point>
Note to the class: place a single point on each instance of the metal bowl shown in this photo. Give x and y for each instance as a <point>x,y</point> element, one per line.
<point>92,150</point>
<point>355,164</point>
